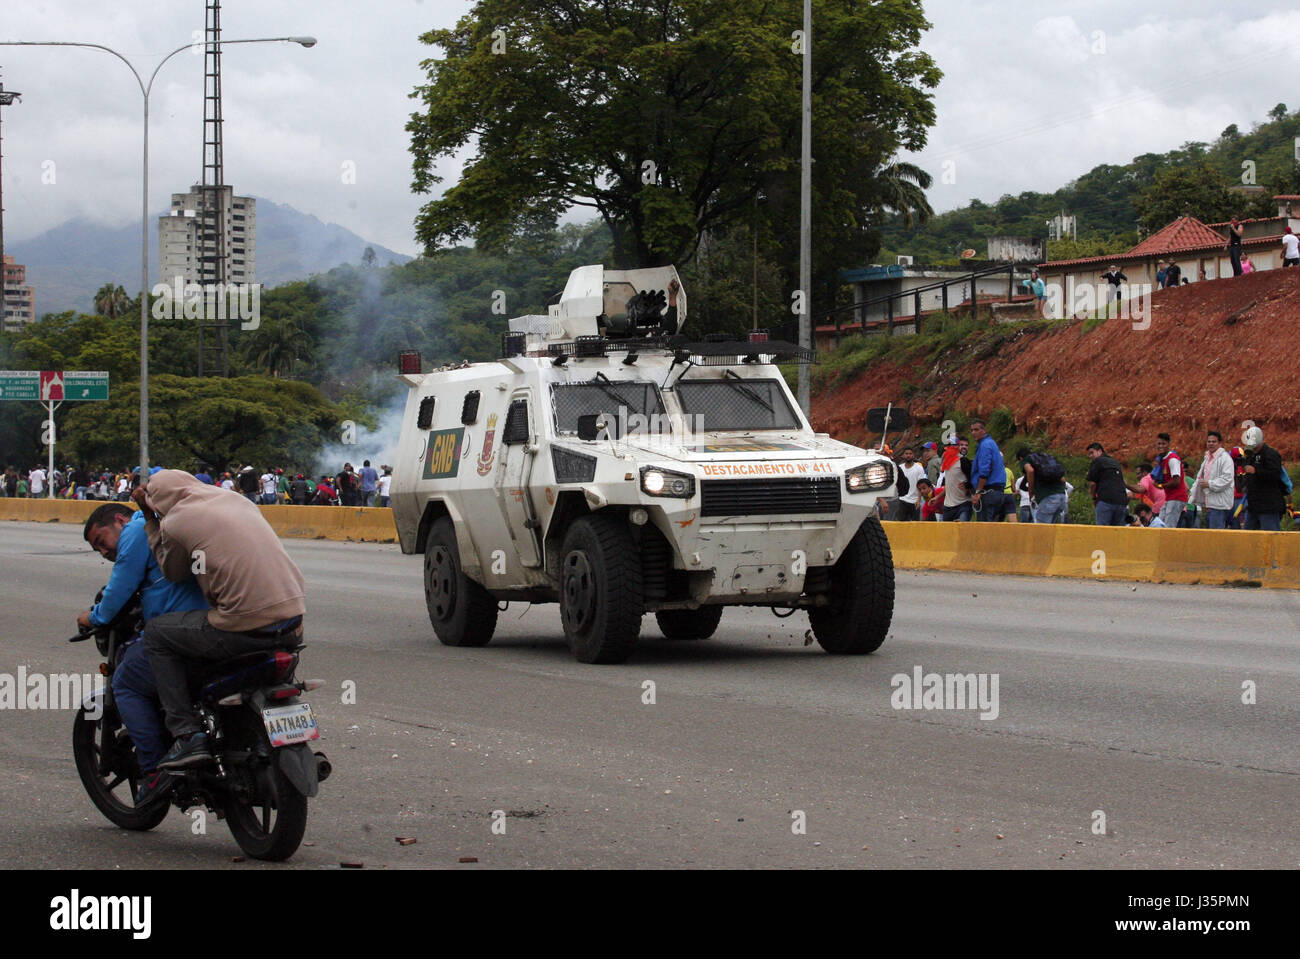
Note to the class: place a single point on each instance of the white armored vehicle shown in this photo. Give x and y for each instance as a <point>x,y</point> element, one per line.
<point>606,464</point>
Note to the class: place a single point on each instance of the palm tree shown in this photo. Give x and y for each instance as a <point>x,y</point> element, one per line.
<point>900,188</point>
<point>111,301</point>
<point>278,346</point>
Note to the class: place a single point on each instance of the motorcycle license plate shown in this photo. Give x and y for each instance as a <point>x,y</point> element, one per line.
<point>287,725</point>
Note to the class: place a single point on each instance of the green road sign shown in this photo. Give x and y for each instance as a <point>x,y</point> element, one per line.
<point>53,385</point>
<point>82,385</point>
<point>20,384</point>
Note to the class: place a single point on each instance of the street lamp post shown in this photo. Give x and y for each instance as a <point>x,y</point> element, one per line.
<point>145,90</point>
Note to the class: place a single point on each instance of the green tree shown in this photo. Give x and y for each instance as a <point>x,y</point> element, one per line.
<point>667,117</point>
<point>214,421</point>
<point>278,347</point>
<point>1278,112</point>
<point>112,302</point>
<point>1198,189</point>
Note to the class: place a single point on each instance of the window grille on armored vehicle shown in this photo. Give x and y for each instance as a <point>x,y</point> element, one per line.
<point>736,404</point>
<point>573,400</point>
<point>424,420</point>
<point>516,430</point>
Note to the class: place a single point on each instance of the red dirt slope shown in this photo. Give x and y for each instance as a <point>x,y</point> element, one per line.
<point>1215,353</point>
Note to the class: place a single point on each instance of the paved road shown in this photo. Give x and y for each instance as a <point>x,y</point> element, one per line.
<point>1112,698</point>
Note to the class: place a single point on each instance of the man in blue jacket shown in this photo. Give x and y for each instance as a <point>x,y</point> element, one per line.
<point>117,533</point>
<point>988,476</point>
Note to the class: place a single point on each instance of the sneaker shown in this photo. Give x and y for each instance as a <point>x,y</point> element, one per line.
<point>187,751</point>
<point>153,787</point>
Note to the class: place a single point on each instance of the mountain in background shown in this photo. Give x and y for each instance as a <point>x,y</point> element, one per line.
<point>66,265</point>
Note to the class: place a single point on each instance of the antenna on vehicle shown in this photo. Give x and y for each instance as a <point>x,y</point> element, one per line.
<point>880,420</point>
<point>885,433</point>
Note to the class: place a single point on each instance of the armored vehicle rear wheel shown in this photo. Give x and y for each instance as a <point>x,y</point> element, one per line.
<point>462,612</point>
<point>861,595</point>
<point>689,623</point>
<point>601,600</point>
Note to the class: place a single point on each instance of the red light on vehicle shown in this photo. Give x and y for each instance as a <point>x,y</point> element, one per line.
<point>283,663</point>
<point>408,361</point>
<point>758,336</point>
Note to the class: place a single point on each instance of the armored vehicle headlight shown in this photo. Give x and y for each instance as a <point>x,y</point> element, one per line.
<point>869,477</point>
<point>661,482</point>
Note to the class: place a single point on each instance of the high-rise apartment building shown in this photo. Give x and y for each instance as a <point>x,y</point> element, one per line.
<point>181,254</point>
<point>19,303</point>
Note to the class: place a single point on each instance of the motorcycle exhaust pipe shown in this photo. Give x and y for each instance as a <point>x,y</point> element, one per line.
<point>323,768</point>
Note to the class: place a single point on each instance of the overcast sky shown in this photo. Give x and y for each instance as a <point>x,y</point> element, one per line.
<point>1034,94</point>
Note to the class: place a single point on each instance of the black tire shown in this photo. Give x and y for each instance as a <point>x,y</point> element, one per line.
<point>106,793</point>
<point>268,817</point>
<point>861,594</point>
<point>601,598</point>
<point>689,623</point>
<point>462,612</point>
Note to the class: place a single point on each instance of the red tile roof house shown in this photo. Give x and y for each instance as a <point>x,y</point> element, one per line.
<point>1187,241</point>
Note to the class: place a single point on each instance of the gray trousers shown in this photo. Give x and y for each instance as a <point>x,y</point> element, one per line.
<point>176,642</point>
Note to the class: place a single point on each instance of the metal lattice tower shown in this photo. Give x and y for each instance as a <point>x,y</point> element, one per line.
<point>7,98</point>
<point>213,198</point>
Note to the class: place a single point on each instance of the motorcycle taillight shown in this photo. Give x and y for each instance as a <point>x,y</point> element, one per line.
<point>284,663</point>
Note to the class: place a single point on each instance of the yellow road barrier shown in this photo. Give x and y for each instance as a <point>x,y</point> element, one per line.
<point>344,523</point>
<point>1082,552</point>
<point>1096,552</point>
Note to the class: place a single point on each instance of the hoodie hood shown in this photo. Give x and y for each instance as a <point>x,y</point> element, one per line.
<point>169,488</point>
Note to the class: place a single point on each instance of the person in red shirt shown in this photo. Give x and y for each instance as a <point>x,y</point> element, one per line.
<point>1170,467</point>
<point>325,495</point>
<point>931,501</point>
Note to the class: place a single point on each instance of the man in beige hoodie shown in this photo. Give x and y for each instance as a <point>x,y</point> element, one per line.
<point>256,592</point>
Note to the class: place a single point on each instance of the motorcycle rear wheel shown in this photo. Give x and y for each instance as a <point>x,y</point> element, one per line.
<point>272,825</point>
<point>104,792</point>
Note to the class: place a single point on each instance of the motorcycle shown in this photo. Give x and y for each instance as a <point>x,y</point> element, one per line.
<point>263,771</point>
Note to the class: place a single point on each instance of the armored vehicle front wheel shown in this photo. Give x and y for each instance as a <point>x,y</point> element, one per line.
<point>601,600</point>
<point>689,623</point>
<point>462,612</point>
<point>861,595</point>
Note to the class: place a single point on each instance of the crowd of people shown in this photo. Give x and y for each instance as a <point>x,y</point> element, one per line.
<point>1240,487</point>
<point>348,487</point>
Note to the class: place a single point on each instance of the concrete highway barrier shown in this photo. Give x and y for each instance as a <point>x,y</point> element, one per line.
<point>345,523</point>
<point>1097,552</point>
<point>1081,552</point>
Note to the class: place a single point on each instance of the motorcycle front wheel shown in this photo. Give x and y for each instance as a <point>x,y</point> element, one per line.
<point>106,790</point>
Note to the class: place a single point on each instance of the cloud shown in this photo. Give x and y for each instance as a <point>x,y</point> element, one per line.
<point>1026,103</point>
<point>1030,102</point>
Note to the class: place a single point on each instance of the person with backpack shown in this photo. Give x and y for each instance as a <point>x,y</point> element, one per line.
<point>1045,481</point>
<point>1266,491</point>
<point>300,491</point>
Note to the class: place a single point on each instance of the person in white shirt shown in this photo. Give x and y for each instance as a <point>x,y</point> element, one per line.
<point>909,510</point>
<point>268,488</point>
<point>1215,483</point>
<point>1290,249</point>
<point>36,482</point>
<point>227,482</point>
<point>385,483</point>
